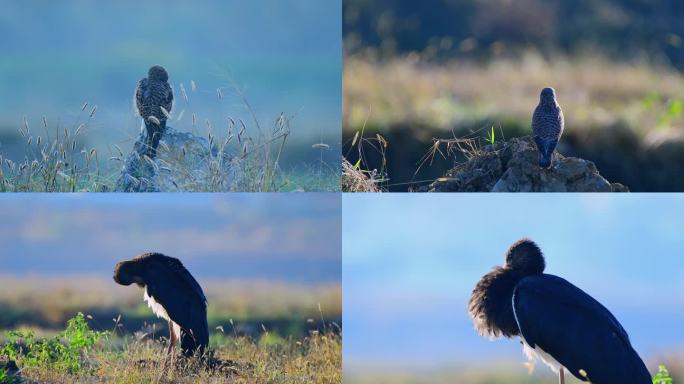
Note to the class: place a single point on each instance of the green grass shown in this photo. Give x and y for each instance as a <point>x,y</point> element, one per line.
<point>79,354</point>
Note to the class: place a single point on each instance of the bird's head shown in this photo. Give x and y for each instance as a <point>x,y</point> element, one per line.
<point>547,96</point>
<point>129,272</point>
<point>157,72</point>
<point>525,257</point>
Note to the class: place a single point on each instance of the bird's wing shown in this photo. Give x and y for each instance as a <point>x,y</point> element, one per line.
<point>536,118</point>
<point>140,91</point>
<point>172,286</point>
<point>576,330</point>
<point>168,102</point>
<point>547,123</point>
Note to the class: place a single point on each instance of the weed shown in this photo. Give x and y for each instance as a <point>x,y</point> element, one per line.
<point>235,156</point>
<point>269,358</point>
<point>663,376</point>
<point>66,352</point>
<point>357,177</point>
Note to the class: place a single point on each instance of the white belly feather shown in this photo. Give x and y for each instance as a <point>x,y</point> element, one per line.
<point>535,353</point>
<point>158,310</point>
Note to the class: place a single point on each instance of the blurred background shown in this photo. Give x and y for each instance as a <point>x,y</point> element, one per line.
<point>284,57</point>
<point>262,259</point>
<point>441,69</point>
<point>411,261</point>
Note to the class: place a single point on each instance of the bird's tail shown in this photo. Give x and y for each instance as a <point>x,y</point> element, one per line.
<point>154,133</point>
<point>191,344</point>
<point>546,148</point>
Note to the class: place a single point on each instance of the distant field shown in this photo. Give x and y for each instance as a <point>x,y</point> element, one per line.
<point>592,92</point>
<point>497,373</point>
<point>626,117</point>
<point>285,309</point>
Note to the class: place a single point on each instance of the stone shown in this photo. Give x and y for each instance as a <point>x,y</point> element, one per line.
<point>184,162</point>
<point>511,166</point>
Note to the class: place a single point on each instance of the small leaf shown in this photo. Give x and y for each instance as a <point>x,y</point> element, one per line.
<point>676,108</point>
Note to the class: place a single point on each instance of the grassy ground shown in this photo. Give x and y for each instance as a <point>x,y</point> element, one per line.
<point>487,375</point>
<point>262,332</point>
<point>79,354</point>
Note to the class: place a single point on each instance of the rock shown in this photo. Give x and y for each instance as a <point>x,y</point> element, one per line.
<point>184,162</point>
<point>511,166</point>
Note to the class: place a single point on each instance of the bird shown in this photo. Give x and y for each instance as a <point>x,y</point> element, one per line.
<point>172,294</point>
<point>151,95</point>
<point>547,125</point>
<point>555,320</point>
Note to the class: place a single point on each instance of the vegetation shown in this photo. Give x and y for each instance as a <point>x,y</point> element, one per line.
<point>472,375</point>
<point>592,92</point>
<point>80,354</point>
<point>488,30</point>
<point>48,303</point>
<point>422,75</point>
<point>663,376</point>
<point>625,117</point>
<point>64,353</point>
<point>244,157</point>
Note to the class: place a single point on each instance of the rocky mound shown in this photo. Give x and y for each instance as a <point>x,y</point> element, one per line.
<point>511,166</point>
<point>184,162</point>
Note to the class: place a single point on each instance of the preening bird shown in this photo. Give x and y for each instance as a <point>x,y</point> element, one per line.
<point>151,95</point>
<point>547,126</point>
<point>555,320</point>
<point>173,294</point>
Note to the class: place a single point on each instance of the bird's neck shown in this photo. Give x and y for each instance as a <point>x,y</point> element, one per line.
<point>551,104</point>
<point>491,304</point>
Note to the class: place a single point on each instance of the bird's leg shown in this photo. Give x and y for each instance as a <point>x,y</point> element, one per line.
<point>172,344</point>
<point>172,338</point>
<point>561,376</point>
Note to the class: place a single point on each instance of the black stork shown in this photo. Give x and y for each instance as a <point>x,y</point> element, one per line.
<point>556,321</point>
<point>172,294</point>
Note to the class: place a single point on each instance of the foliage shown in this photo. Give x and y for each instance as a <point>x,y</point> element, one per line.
<point>6,378</point>
<point>620,29</point>
<point>663,376</point>
<point>65,352</point>
<point>270,358</point>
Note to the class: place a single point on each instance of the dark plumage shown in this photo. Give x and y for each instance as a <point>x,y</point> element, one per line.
<point>151,94</point>
<point>555,320</point>
<point>173,294</point>
<point>547,126</point>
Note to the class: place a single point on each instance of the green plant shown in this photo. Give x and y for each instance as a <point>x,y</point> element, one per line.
<point>490,136</point>
<point>673,111</point>
<point>6,377</point>
<point>359,177</point>
<point>663,376</point>
<point>64,352</point>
